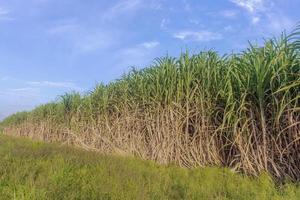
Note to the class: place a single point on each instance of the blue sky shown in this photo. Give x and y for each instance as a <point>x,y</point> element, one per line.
<point>48,47</point>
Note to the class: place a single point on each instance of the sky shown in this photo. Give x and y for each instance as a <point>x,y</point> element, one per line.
<point>49,47</point>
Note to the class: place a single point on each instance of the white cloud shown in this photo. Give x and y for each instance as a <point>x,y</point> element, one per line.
<point>229,13</point>
<point>20,92</point>
<point>194,21</point>
<point>69,85</point>
<point>4,14</point>
<point>123,6</point>
<point>279,22</point>
<point>255,8</point>
<point>60,29</point>
<point>140,54</point>
<point>8,78</point>
<point>137,56</point>
<point>156,5</point>
<point>3,11</point>
<point>199,36</point>
<point>83,39</point>
<point>128,7</point>
<point>250,5</point>
<point>150,45</point>
<point>187,7</point>
<point>228,28</point>
<point>266,15</point>
<point>163,23</point>
<point>26,89</point>
<point>255,19</point>
<point>94,41</point>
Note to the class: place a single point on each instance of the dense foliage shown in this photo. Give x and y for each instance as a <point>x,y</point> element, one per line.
<point>240,111</point>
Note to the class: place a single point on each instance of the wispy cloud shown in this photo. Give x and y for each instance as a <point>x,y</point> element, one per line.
<point>20,92</point>
<point>126,5</point>
<point>61,29</point>
<point>163,24</point>
<point>17,99</point>
<point>194,21</point>
<point>229,13</point>
<point>255,19</point>
<point>3,11</point>
<point>68,85</point>
<point>98,39</point>
<point>254,7</point>
<point>150,44</point>
<point>186,6</point>
<point>82,39</point>
<point>199,36</point>
<point>5,14</point>
<point>278,22</point>
<point>266,15</point>
<point>122,7</point>
<point>156,5</point>
<point>250,5</point>
<point>7,78</point>
<point>137,55</point>
<point>26,89</point>
<point>228,28</point>
<point>129,7</point>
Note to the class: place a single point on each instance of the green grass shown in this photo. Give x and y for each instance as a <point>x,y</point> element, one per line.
<point>35,170</point>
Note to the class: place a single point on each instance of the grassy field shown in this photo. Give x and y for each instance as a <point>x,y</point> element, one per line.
<point>34,170</point>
